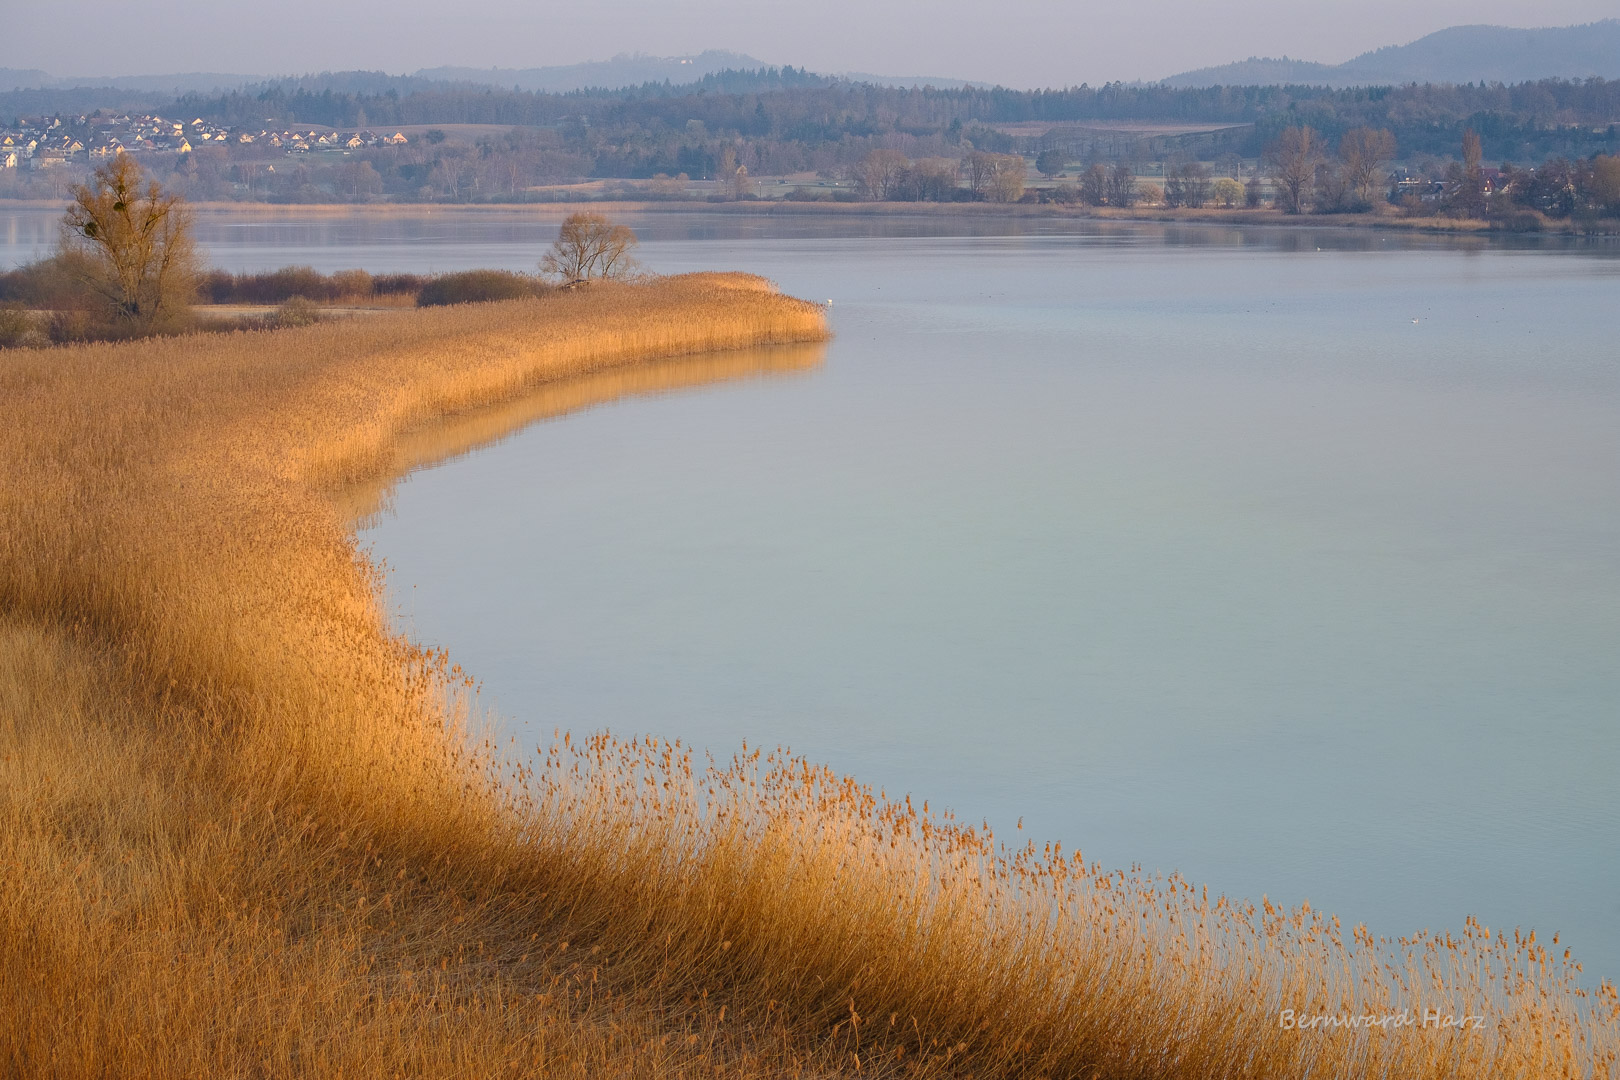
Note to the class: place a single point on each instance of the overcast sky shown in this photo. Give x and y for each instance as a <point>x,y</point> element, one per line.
<point>1023,43</point>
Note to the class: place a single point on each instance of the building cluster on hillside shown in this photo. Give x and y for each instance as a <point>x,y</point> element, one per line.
<point>48,141</point>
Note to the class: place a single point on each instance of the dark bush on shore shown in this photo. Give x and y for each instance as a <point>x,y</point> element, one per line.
<point>1519,221</point>
<point>16,325</point>
<point>75,325</point>
<point>279,286</point>
<point>45,285</point>
<point>478,286</point>
<point>295,312</point>
<point>397,284</point>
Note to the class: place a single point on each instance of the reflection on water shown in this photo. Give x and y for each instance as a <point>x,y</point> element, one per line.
<point>454,436</point>
<point>428,239</point>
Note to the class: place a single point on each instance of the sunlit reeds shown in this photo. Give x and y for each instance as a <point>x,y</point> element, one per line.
<point>908,940</point>
<point>243,830</point>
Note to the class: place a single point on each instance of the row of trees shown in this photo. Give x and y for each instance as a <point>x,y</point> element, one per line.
<point>981,176</point>
<point>1309,177</point>
<point>1558,189</point>
<point>1306,175</point>
<point>1192,184</point>
<point>1103,186</point>
<point>889,175</point>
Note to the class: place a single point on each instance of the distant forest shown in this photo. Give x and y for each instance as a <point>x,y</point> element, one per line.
<point>785,120</point>
<point>633,131</point>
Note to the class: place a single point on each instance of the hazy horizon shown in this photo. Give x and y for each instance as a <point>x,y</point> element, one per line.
<point>900,38</point>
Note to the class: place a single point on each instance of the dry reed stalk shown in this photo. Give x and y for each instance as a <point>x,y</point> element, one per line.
<point>242,831</point>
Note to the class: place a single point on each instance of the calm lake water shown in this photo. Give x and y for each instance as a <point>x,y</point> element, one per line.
<point>1288,559</point>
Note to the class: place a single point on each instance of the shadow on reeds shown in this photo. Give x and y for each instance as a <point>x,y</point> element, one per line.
<point>455,436</point>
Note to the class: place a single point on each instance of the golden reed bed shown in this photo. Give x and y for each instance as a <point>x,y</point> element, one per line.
<point>244,832</point>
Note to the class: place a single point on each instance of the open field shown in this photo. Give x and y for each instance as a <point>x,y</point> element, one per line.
<point>247,830</point>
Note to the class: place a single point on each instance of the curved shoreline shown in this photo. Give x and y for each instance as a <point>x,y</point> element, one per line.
<point>242,831</point>
<point>446,438</point>
<point>228,790</point>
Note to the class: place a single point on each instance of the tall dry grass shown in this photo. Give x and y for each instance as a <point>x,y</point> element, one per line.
<point>244,832</point>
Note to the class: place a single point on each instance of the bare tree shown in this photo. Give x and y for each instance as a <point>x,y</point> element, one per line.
<point>880,172</point>
<point>928,180</point>
<point>130,243</point>
<point>448,173</point>
<point>1186,184</point>
<point>1294,158</point>
<point>1094,185</point>
<point>1465,184</point>
<point>979,168</point>
<point>1121,185</point>
<point>1603,184</point>
<point>248,173</point>
<point>1365,152</point>
<point>359,178</point>
<point>1008,172</point>
<point>589,247</point>
<point>1331,188</point>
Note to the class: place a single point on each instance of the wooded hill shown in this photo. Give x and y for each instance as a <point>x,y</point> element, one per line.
<point>1458,54</point>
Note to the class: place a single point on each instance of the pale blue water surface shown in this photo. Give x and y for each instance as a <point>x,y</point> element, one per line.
<point>1288,559</point>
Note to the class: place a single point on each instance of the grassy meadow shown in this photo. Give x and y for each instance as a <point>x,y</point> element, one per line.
<point>248,830</point>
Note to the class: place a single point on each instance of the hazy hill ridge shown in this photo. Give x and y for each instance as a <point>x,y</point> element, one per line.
<point>1461,54</point>
<point>910,82</point>
<point>190,82</point>
<point>714,70</point>
<point>621,71</point>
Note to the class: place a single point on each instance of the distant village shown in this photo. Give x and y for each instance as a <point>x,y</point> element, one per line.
<point>55,141</point>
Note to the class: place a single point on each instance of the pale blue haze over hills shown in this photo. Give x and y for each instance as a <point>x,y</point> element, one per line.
<point>1460,54</point>
<point>621,71</point>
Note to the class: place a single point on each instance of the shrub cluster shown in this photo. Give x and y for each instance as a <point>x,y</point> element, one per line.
<point>279,286</point>
<point>478,286</point>
<point>43,285</point>
<point>16,325</point>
